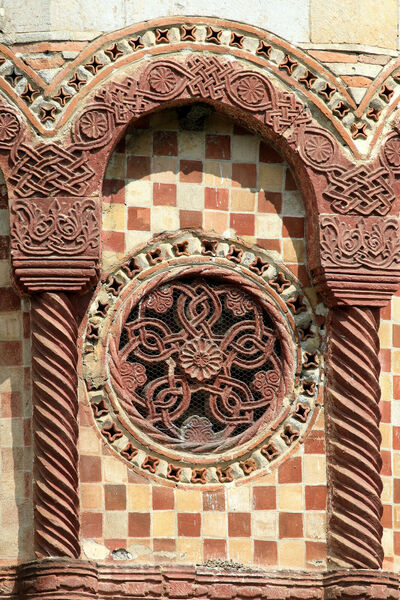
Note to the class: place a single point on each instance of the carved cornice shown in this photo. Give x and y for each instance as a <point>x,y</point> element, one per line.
<point>59,579</point>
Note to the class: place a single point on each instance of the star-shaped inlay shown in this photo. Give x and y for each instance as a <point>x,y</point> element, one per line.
<point>187,33</point>
<point>225,474</point>
<point>199,476</point>
<point>92,332</point>
<point>62,97</point>
<point>264,49</point>
<point>13,77</point>
<point>100,409</point>
<point>209,247</point>
<point>102,308</point>
<point>131,267</point>
<point>29,94</point>
<point>214,35</point>
<point>115,286</point>
<point>302,411</point>
<point>236,40</point>
<point>270,451</point>
<point>150,463</point>
<point>235,254</point>
<point>94,65</point>
<point>154,256</point>
<point>129,451</point>
<point>136,43</point>
<point>309,388</point>
<point>162,36</point>
<point>280,283</point>
<point>289,435</point>
<point>47,113</point>
<point>327,91</point>
<point>306,332</point>
<point>288,64</point>
<point>386,93</point>
<point>373,113</point>
<point>248,466</point>
<point>112,433</point>
<point>259,265</point>
<point>310,360</point>
<point>174,472</point>
<point>358,131</point>
<point>76,82</point>
<point>181,248</point>
<point>296,305</point>
<point>341,109</point>
<point>114,52</point>
<point>308,79</point>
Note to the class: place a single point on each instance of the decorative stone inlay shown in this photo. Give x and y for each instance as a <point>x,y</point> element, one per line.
<point>200,359</point>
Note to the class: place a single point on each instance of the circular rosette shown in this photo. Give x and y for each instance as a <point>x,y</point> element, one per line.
<point>251,90</point>
<point>10,129</point>
<point>94,128</point>
<point>201,360</point>
<point>165,80</point>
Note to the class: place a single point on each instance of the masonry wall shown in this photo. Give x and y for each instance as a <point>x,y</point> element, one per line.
<point>223,179</point>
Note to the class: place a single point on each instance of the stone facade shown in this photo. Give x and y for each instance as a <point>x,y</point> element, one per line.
<point>174,174</point>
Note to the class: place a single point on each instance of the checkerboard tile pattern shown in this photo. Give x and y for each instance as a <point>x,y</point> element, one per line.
<point>223,179</point>
<point>16,517</point>
<point>389,334</point>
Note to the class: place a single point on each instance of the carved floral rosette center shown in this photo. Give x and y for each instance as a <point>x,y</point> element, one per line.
<point>208,357</point>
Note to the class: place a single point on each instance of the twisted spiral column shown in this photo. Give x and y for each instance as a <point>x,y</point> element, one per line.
<point>354,460</point>
<point>54,361</point>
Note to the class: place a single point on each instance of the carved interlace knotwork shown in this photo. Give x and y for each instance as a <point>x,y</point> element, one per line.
<point>55,407</point>
<point>354,460</point>
<point>201,364</point>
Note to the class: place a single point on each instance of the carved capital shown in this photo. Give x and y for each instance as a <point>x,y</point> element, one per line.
<point>359,259</point>
<point>55,243</point>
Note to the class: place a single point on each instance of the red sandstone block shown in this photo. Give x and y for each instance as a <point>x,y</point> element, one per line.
<point>27,426</point>
<point>10,404</point>
<point>4,246</point>
<point>165,143</point>
<point>396,542</point>
<point>396,438</point>
<point>315,552</point>
<point>10,353</point>
<point>269,202</point>
<point>90,468</point>
<point>242,223</point>
<point>138,524</point>
<point>386,312</point>
<point>49,62</point>
<point>191,171</point>
<point>265,553</point>
<point>189,524</point>
<point>164,194</point>
<point>396,336</point>
<point>396,387</point>
<point>91,525</point>
<point>115,497</point>
<point>269,154</point>
<point>293,227</point>
<point>387,516</point>
<point>138,218</point>
<point>163,498</point>
<point>218,147</point>
<point>315,497</point>
<point>244,175</point>
<point>290,183</point>
<point>191,219</point>
<point>315,443</point>
<point>270,244</point>
<point>301,273</point>
<point>113,241</point>
<point>216,198</point>
<point>386,462</point>
<point>290,525</point>
<point>290,471</point>
<point>114,544</point>
<point>164,545</point>
<point>214,500</point>
<point>214,548</point>
<point>239,524</point>
<point>264,497</point>
<point>385,358</point>
<point>138,167</point>
<point>114,191</point>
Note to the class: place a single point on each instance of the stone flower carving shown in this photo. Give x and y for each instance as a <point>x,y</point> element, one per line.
<point>94,124</point>
<point>201,359</point>
<point>318,149</point>
<point>251,90</point>
<point>197,429</point>
<point>9,127</point>
<point>133,375</point>
<point>392,152</point>
<point>162,80</point>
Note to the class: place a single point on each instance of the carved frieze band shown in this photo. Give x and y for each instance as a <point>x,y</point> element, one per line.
<point>55,243</point>
<point>353,436</point>
<point>55,404</point>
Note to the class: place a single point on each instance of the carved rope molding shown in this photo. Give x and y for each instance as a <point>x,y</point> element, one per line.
<point>353,436</point>
<point>55,406</point>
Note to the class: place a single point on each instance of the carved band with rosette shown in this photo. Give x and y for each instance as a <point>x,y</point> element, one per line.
<point>55,407</point>
<point>354,460</point>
